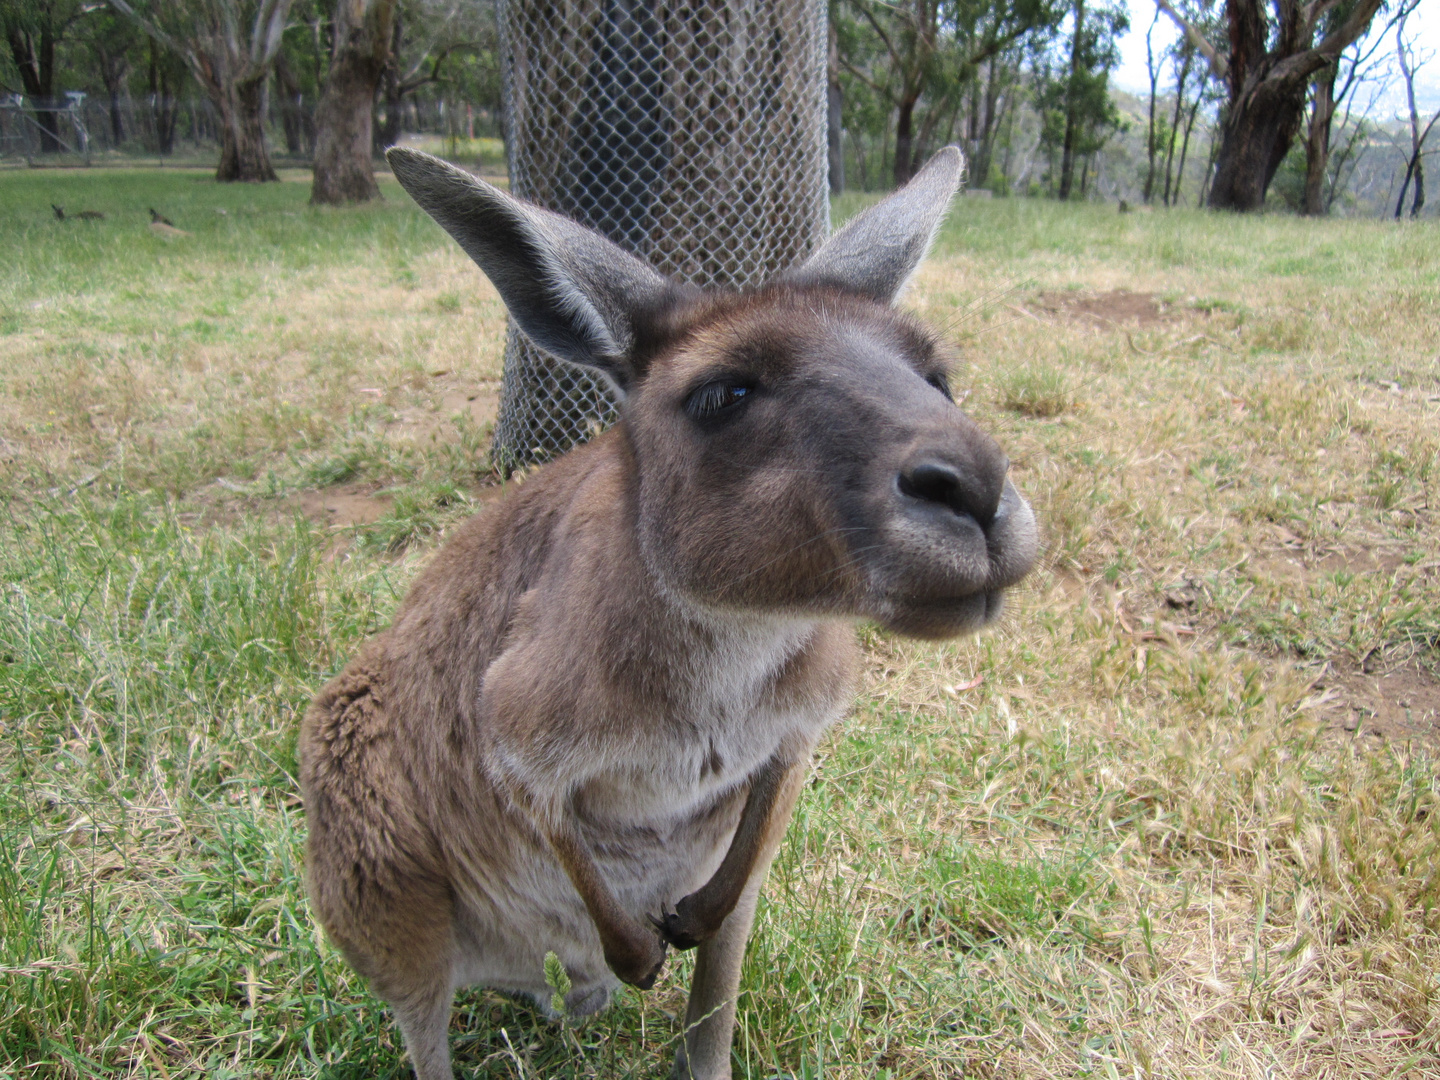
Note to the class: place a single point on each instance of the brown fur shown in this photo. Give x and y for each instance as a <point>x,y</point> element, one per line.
<point>587,726</point>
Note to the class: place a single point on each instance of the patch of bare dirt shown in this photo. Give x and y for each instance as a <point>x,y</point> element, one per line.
<point>480,403</point>
<point>1294,559</point>
<point>1399,701</point>
<point>345,504</point>
<point>1119,307</point>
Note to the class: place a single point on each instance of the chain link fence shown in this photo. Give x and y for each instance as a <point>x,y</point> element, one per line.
<point>692,134</point>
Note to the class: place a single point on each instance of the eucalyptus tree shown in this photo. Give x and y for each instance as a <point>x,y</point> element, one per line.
<point>34,30</point>
<point>1332,86</point>
<point>1074,89</point>
<point>111,40</point>
<point>930,53</point>
<point>1273,52</point>
<point>230,47</point>
<point>363,36</point>
<point>1411,60</point>
<point>448,45</point>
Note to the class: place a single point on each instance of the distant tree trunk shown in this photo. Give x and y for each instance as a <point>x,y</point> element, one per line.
<point>1317,142</point>
<point>391,92</point>
<point>904,139</point>
<point>989,125</point>
<point>162,103</point>
<point>1072,125</point>
<point>1185,142</point>
<point>344,166</point>
<point>34,56</point>
<point>243,155</point>
<point>1415,167</point>
<point>834,131</point>
<point>1255,137</point>
<point>1151,143</point>
<point>1187,56</point>
<point>287,88</point>
<point>113,68</point>
<point>234,70</point>
<point>860,163</point>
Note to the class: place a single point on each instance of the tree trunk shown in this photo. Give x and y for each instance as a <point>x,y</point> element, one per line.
<point>287,88</point>
<point>1181,77</point>
<point>1255,137</point>
<point>1151,142</point>
<point>1317,143</point>
<point>1268,71</point>
<point>985,141</point>
<point>113,70</point>
<point>1072,133</point>
<point>344,166</point>
<point>1185,142</point>
<point>162,103</point>
<point>904,137</point>
<point>36,65</point>
<point>243,155</point>
<point>834,131</point>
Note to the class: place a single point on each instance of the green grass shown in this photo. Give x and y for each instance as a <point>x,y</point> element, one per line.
<point>1144,844</point>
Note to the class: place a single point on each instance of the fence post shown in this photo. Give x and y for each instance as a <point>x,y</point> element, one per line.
<point>693,135</point>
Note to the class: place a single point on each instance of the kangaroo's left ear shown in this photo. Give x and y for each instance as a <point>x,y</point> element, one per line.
<point>877,251</point>
<point>574,293</point>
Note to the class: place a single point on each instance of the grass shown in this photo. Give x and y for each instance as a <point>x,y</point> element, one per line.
<point>1151,840</point>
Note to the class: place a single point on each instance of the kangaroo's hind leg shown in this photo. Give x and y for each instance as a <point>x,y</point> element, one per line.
<point>376,879</point>
<point>704,1052</point>
<point>405,947</point>
<point>422,1009</point>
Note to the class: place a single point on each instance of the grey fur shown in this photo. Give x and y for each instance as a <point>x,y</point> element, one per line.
<point>876,252</point>
<point>572,291</point>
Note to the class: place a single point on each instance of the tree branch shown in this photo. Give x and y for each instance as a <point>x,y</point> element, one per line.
<point>1218,63</point>
<point>1304,64</point>
<point>153,29</point>
<point>884,37</point>
<point>848,66</point>
<point>270,20</point>
<point>412,84</point>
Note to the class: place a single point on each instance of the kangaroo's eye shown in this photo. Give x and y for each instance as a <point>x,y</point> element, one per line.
<point>941,383</point>
<point>714,398</point>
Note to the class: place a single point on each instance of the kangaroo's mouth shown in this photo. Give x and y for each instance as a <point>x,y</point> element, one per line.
<point>946,574</point>
<point>937,617</point>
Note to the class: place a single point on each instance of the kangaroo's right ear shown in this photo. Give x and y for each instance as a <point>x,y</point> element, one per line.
<point>574,293</point>
<point>877,250</point>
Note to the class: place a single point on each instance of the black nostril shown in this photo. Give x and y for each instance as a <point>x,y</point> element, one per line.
<point>938,482</point>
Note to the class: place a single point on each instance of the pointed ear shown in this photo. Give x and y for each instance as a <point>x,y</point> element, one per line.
<point>574,293</point>
<point>877,251</point>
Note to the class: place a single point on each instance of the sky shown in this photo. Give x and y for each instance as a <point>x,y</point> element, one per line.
<point>1424,25</point>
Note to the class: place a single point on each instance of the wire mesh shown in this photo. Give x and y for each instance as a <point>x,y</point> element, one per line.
<point>692,134</point>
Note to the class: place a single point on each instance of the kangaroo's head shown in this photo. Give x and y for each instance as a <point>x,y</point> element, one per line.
<point>795,449</point>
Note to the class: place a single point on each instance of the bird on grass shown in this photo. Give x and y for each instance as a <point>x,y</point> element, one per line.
<point>83,215</point>
<point>157,218</point>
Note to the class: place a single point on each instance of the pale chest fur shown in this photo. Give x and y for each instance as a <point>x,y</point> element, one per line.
<point>579,728</point>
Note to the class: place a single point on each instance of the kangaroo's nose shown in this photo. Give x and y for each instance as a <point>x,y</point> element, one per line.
<point>974,493</point>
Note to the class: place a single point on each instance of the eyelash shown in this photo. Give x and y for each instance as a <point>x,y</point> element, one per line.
<point>941,383</point>
<point>714,398</point>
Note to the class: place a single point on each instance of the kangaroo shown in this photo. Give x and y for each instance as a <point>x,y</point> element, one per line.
<point>587,727</point>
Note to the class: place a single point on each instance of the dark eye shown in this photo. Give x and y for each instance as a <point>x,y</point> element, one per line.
<point>941,383</point>
<point>715,397</point>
